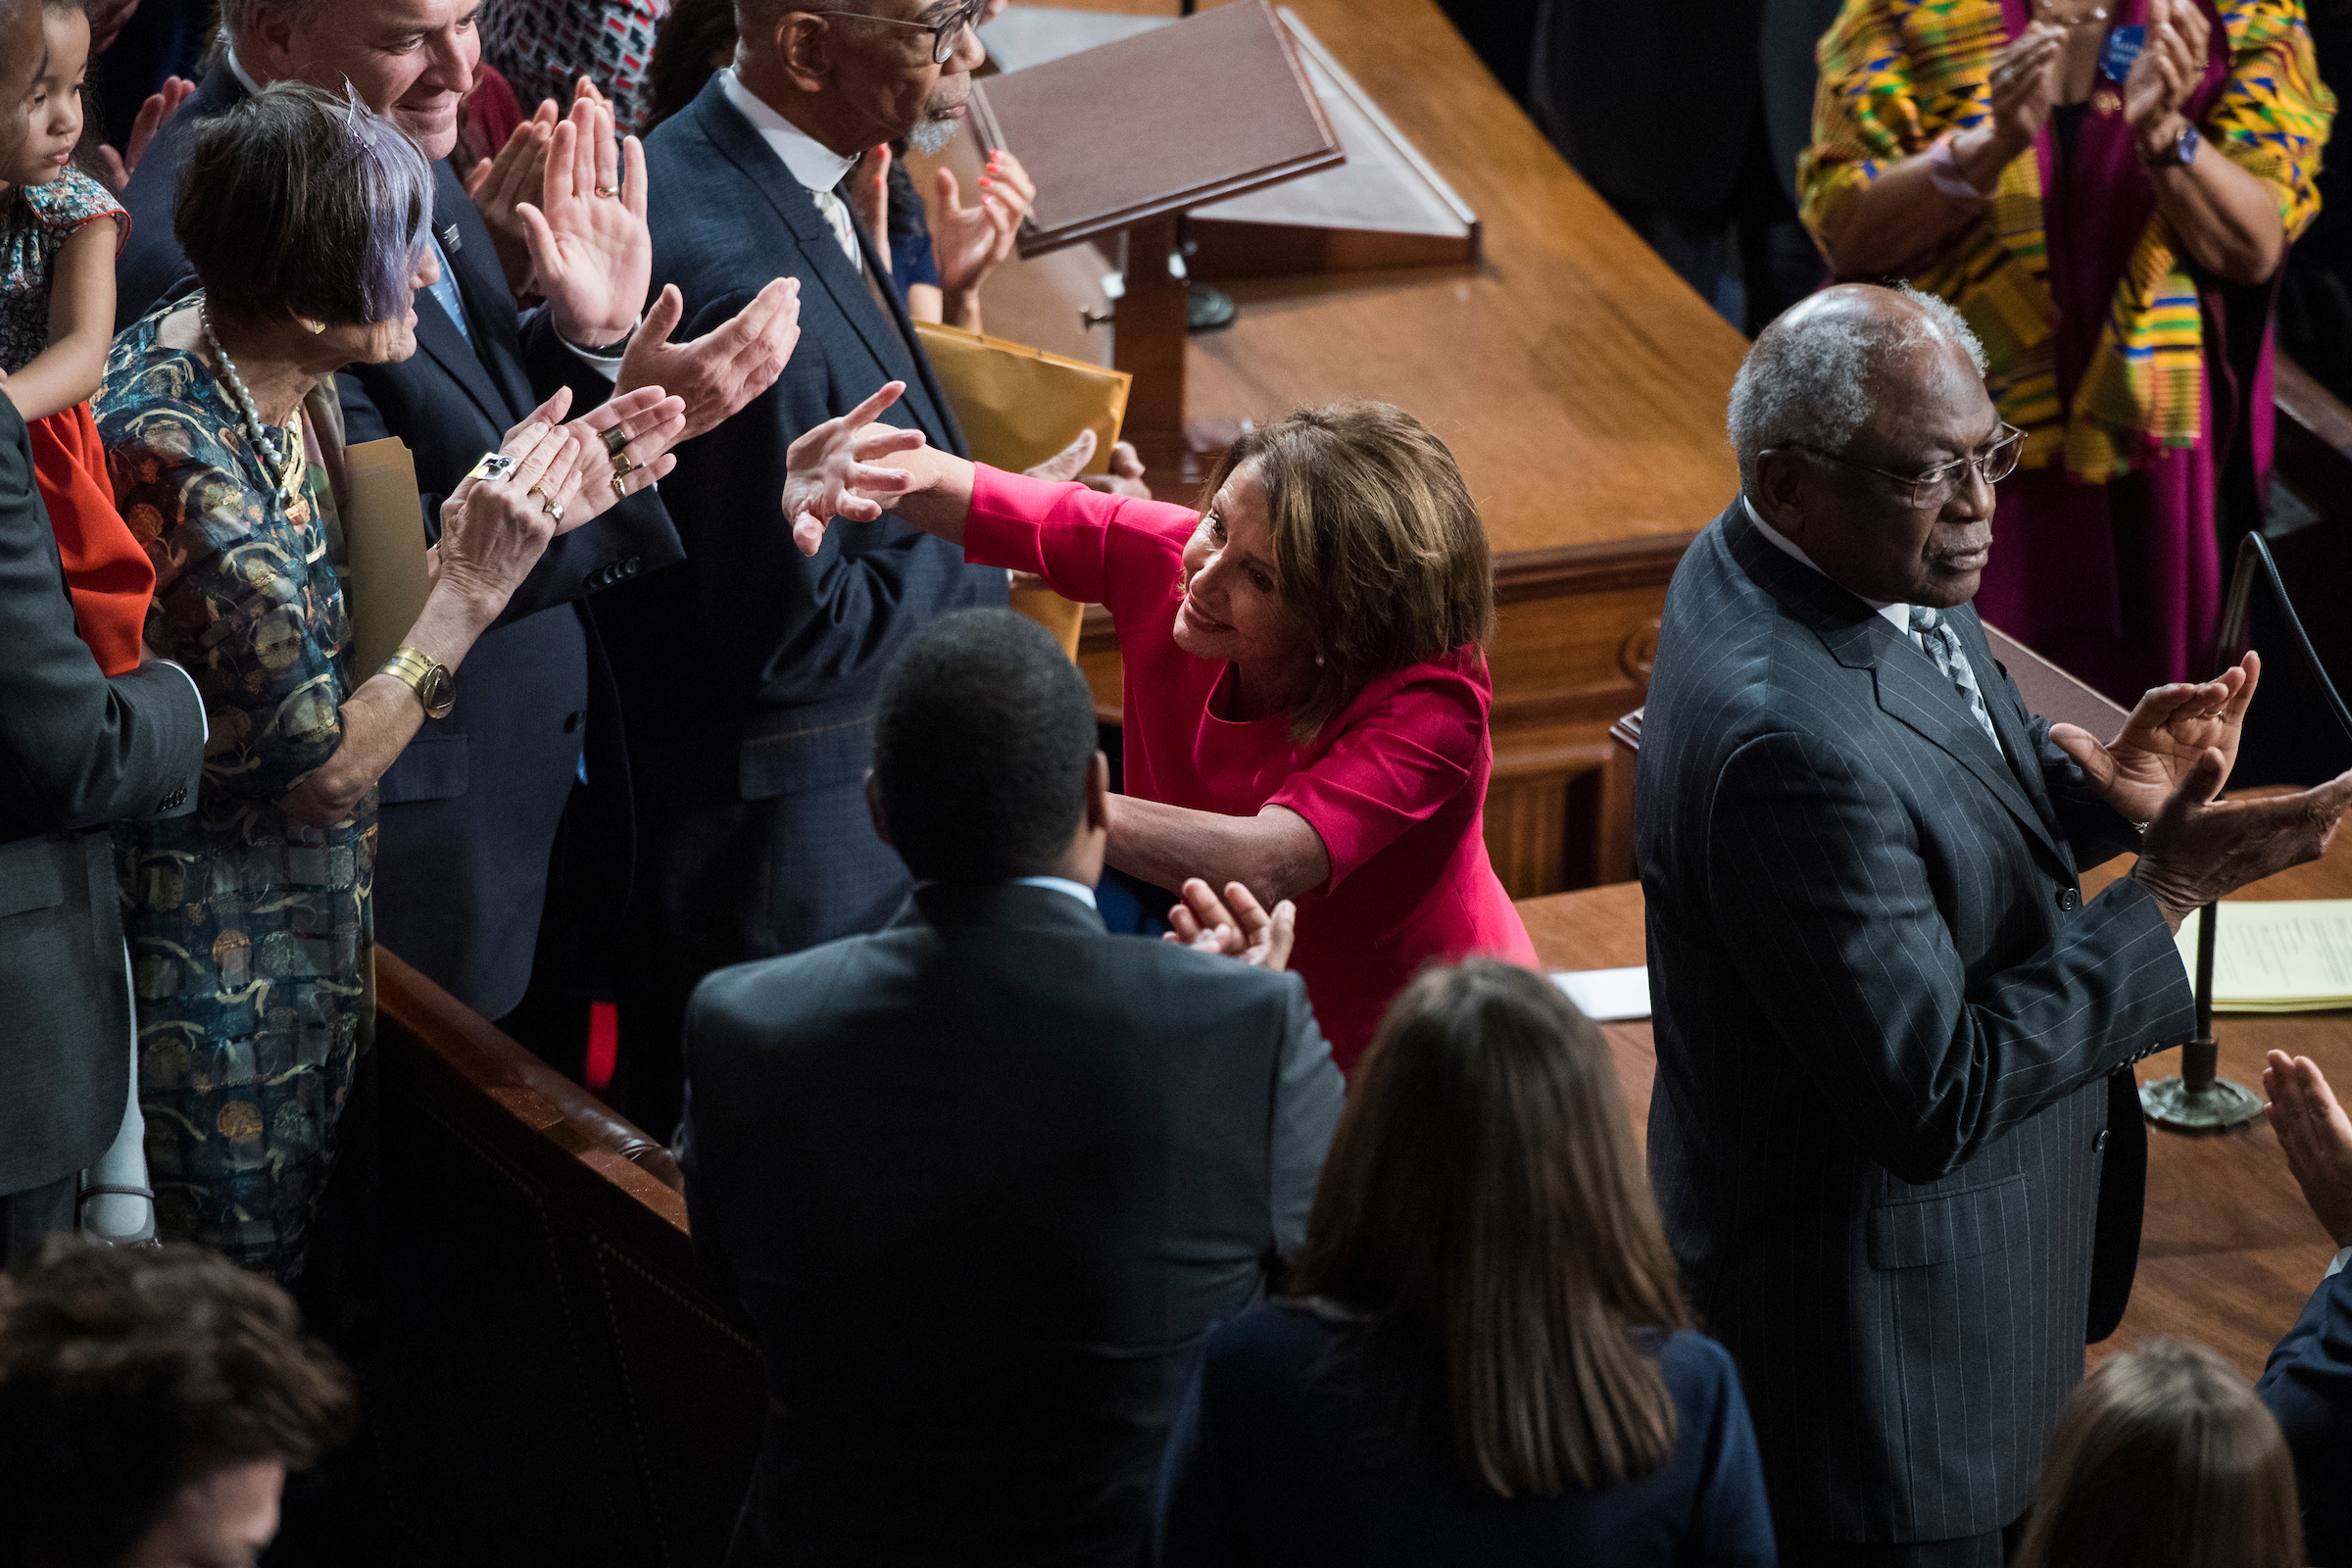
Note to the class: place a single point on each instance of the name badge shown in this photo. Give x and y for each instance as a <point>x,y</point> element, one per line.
<point>2123,46</point>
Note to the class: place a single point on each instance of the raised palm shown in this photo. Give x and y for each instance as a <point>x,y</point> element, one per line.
<point>2169,729</point>
<point>591,253</point>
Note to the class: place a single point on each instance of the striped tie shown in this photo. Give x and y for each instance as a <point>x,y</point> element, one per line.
<point>845,228</point>
<point>1941,644</point>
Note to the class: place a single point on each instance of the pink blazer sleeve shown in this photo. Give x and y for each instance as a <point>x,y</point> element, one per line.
<point>1088,545</point>
<point>1400,758</point>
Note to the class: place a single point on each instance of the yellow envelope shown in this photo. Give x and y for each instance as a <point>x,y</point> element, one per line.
<point>1019,406</point>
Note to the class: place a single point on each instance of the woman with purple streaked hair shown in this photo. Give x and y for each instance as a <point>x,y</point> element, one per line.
<point>304,216</point>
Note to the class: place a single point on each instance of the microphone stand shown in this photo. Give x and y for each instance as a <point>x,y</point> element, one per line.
<point>2199,1101</point>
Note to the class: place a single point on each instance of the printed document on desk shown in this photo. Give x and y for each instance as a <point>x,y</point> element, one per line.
<point>2278,955</point>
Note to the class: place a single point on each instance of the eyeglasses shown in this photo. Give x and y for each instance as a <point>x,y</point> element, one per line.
<point>1937,485</point>
<point>943,33</point>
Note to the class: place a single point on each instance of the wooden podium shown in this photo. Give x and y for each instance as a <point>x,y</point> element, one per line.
<point>1122,139</point>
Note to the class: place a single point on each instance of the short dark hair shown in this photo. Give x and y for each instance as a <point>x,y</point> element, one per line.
<point>128,1372</point>
<point>983,741</point>
<point>1486,1230</point>
<point>693,31</point>
<point>305,201</point>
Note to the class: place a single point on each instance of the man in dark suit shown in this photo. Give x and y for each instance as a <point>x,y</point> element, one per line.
<point>987,1178</point>
<point>2308,1382</point>
<point>750,674</point>
<point>77,750</point>
<point>471,809</point>
<point>1893,1039</point>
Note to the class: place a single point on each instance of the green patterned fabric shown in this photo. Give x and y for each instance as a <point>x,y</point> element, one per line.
<point>252,951</point>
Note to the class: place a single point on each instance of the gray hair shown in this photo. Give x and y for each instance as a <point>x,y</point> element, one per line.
<point>1812,378</point>
<point>237,16</point>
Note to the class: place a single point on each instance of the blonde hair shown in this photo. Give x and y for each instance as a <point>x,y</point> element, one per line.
<point>1379,555</point>
<point>2164,1458</point>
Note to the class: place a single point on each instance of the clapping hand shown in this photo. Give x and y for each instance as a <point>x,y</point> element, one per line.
<point>651,419</point>
<point>160,106</point>
<point>2199,849</point>
<point>590,252</point>
<point>869,199</point>
<point>2171,64</point>
<point>2316,1137</point>
<point>829,470</point>
<point>498,185</point>
<point>969,241</point>
<point>2169,729</point>
<point>724,369</point>
<point>2022,90</point>
<point>1206,923</point>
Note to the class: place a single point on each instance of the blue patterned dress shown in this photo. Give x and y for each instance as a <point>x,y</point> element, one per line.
<point>252,948</point>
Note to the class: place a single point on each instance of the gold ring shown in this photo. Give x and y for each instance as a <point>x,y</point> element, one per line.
<point>624,465</point>
<point>614,439</point>
<point>608,190</point>
<point>547,503</point>
<point>619,494</point>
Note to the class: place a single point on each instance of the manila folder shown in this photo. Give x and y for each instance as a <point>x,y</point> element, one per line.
<point>383,540</point>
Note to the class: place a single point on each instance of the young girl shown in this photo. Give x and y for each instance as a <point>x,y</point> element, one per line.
<point>59,233</point>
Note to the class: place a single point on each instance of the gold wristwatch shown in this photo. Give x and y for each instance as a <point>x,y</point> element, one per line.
<point>435,688</point>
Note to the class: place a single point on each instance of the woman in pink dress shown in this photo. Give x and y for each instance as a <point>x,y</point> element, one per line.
<point>1305,696</point>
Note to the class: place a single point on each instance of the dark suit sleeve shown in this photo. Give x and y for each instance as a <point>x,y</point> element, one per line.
<point>2308,1387</point>
<point>1190,1526</point>
<point>631,538</point>
<point>76,749</point>
<point>1821,890</point>
<point>1308,1094</point>
<point>2096,830</point>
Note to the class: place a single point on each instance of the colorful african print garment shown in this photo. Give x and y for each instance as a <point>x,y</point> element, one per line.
<point>544,47</point>
<point>251,953</point>
<point>1895,75</point>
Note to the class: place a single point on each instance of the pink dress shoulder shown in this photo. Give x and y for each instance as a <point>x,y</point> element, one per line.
<point>1396,785</point>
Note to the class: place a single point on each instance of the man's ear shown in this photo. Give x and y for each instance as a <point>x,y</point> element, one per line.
<point>1097,795</point>
<point>874,807</point>
<point>804,46</point>
<point>1779,491</point>
<point>273,34</point>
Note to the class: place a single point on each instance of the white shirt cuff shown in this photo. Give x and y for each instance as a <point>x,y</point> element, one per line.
<point>198,694</point>
<point>2337,1267</point>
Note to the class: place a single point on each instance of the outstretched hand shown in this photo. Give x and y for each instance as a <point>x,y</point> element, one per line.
<point>829,470</point>
<point>2171,728</point>
<point>724,369</point>
<point>2199,849</point>
<point>1237,926</point>
<point>2316,1136</point>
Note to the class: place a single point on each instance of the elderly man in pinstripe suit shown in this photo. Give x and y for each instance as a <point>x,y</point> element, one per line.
<point>1893,1131</point>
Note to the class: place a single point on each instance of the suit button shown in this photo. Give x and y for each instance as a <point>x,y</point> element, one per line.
<point>2098,1145</point>
<point>2069,899</point>
<point>572,723</point>
<point>628,568</point>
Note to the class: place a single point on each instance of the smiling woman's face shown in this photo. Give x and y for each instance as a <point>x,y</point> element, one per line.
<point>1231,610</point>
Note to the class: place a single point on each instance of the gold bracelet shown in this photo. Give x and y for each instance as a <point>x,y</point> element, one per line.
<point>427,677</point>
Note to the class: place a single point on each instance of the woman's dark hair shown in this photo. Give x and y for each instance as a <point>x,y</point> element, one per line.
<point>301,201</point>
<point>1483,1223</point>
<point>685,48</point>
<point>1379,554</point>
<point>2165,1458</point>
<point>125,1373</point>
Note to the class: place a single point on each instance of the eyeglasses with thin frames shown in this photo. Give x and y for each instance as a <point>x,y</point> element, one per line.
<point>1937,485</point>
<point>943,33</point>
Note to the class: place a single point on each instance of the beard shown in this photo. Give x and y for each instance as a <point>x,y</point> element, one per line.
<point>931,136</point>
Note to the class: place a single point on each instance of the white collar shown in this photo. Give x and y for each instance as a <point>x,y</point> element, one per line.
<point>1059,884</point>
<point>1898,615</point>
<point>236,69</point>
<point>808,159</point>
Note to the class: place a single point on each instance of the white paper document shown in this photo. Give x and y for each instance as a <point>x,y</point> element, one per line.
<point>1605,996</point>
<point>2278,955</point>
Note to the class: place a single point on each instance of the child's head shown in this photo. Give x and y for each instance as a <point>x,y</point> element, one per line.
<point>53,111</point>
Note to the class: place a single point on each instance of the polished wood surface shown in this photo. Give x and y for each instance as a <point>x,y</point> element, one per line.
<point>2228,1250</point>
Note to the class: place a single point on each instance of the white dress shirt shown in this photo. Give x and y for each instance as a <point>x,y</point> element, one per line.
<point>808,159</point>
<point>1059,884</point>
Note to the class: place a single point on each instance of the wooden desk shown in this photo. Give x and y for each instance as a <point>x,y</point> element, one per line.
<point>2228,1250</point>
<point>1580,383</point>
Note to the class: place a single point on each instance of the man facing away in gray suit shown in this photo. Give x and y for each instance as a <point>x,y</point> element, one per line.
<point>77,750</point>
<point>1890,1029</point>
<point>987,1178</point>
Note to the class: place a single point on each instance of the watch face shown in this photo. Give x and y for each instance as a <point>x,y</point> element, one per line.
<point>438,693</point>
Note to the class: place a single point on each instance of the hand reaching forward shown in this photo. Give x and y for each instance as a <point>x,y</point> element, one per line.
<point>828,471</point>
<point>2316,1137</point>
<point>724,369</point>
<point>2169,729</point>
<point>1244,931</point>
<point>2199,849</point>
<point>590,249</point>
<point>160,106</point>
<point>969,241</point>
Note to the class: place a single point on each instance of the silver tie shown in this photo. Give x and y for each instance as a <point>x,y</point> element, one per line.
<point>1941,644</point>
<point>845,228</point>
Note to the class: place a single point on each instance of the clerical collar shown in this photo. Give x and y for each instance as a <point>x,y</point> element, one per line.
<point>1898,615</point>
<point>244,77</point>
<point>809,161</point>
<point>1059,884</point>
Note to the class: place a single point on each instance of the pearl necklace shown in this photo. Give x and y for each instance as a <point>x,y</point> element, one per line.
<point>265,441</point>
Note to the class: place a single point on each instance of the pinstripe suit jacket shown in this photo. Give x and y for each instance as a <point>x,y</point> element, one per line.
<point>1885,1026</point>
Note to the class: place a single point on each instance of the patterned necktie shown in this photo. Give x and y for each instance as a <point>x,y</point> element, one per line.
<point>1941,644</point>
<point>845,228</point>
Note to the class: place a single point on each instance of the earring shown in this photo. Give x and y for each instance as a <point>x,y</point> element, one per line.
<point>316,328</point>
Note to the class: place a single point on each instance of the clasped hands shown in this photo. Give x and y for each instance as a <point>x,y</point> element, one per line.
<point>2024,87</point>
<point>2166,769</point>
